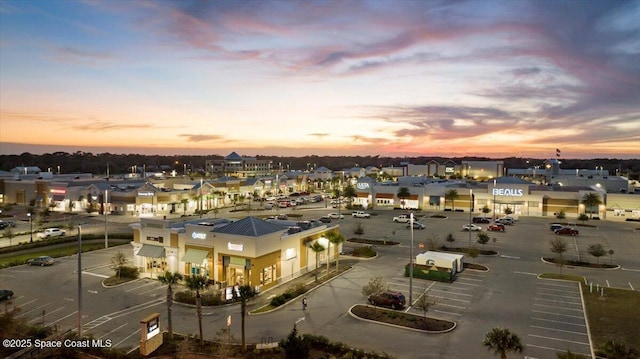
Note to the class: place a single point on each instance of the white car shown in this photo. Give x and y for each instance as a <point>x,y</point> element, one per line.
<point>51,232</point>
<point>471,227</point>
<point>335,216</point>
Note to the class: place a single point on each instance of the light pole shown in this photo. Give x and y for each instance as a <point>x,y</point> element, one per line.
<point>411,262</point>
<point>30,228</point>
<point>494,199</point>
<point>106,233</point>
<point>80,281</point>
<point>470,210</point>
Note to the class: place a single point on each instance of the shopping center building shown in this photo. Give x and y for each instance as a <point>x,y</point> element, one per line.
<point>249,251</point>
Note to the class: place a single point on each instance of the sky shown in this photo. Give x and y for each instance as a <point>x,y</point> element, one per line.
<point>321,77</point>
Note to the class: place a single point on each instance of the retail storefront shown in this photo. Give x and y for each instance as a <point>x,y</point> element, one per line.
<point>249,251</point>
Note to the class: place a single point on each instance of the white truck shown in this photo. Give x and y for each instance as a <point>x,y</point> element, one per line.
<point>403,218</point>
<point>360,214</point>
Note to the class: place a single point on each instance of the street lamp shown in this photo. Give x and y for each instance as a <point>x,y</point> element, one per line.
<point>30,227</point>
<point>106,233</point>
<point>494,199</point>
<point>79,281</point>
<point>411,262</point>
<point>470,210</point>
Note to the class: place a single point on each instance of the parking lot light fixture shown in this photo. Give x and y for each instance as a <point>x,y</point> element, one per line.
<point>411,262</point>
<point>30,228</point>
<point>470,210</point>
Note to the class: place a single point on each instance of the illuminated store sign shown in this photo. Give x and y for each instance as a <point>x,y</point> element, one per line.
<point>235,247</point>
<point>198,235</point>
<point>58,191</point>
<point>145,194</point>
<point>153,328</point>
<point>362,185</point>
<point>513,192</point>
<point>449,170</point>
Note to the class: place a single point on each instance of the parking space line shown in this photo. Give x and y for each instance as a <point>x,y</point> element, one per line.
<point>450,305</point>
<point>631,286</point>
<point>557,301</point>
<point>556,290</point>
<point>554,349</point>
<point>608,285</point>
<point>558,330</point>
<point>39,317</point>
<point>455,300</point>
<point>570,286</point>
<point>140,286</point>
<point>556,307</point>
<point>470,284</point>
<point>470,279</point>
<point>556,314</point>
<point>65,317</point>
<point>454,293</point>
<point>448,313</point>
<point>558,321</point>
<point>29,311</point>
<point>557,339</point>
<point>127,337</point>
<point>111,331</point>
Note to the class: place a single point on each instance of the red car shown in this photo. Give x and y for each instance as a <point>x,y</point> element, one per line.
<point>566,231</point>
<point>496,227</point>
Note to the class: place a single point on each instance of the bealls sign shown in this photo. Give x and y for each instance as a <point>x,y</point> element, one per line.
<point>362,185</point>
<point>514,192</point>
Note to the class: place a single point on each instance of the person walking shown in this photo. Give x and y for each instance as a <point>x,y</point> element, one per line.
<point>304,303</point>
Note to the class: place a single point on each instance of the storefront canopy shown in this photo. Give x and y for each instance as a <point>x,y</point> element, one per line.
<point>151,251</point>
<point>195,256</point>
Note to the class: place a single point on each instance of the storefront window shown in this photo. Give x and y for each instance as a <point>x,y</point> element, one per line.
<point>268,275</point>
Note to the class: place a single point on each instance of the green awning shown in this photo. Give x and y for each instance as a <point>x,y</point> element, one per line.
<point>151,251</point>
<point>195,256</point>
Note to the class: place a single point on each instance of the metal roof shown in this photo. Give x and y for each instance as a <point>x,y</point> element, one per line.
<point>250,227</point>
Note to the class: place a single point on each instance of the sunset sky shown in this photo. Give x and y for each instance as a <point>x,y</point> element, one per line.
<point>295,78</point>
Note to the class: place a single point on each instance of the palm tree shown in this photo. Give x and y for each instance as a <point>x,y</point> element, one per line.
<point>591,200</point>
<point>317,248</point>
<point>501,341</point>
<point>403,194</point>
<point>244,293</point>
<point>198,283</point>
<point>170,279</point>
<point>336,238</point>
<point>451,195</point>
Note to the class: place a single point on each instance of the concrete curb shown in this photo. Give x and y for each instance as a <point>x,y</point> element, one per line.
<point>400,326</point>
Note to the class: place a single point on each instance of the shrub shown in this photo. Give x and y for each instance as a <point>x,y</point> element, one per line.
<point>129,272</point>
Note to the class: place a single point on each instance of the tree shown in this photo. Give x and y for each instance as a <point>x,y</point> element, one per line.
<point>450,238</point>
<point>184,202</point>
<point>611,252</point>
<point>359,230</point>
<point>295,346</point>
<point>483,239</point>
<point>616,350</point>
<point>473,253</point>
<point>170,279</point>
<point>336,238</point>
<point>502,341</point>
<point>244,294</point>
<point>559,246</point>
<point>596,250</point>
<point>591,200</point>
<point>561,214</point>
<point>376,286</point>
<point>424,302</point>
<point>403,194</point>
<point>198,283</point>
<point>508,211</point>
<point>350,193</point>
<point>8,232</point>
<point>317,248</point>
<point>118,261</point>
<point>570,355</point>
<point>486,210</point>
<point>451,195</point>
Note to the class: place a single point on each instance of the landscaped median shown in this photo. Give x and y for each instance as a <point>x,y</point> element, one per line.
<point>401,319</point>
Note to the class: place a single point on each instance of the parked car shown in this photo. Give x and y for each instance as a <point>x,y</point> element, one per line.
<point>5,294</point>
<point>325,219</point>
<point>360,214</point>
<point>471,227</point>
<point>5,224</point>
<point>506,220</point>
<point>417,225</point>
<point>403,218</point>
<point>41,261</point>
<point>496,227</point>
<point>566,231</point>
<point>394,300</point>
<point>51,232</point>
<point>282,217</point>
<point>480,220</point>
<point>335,216</point>
<point>555,226</point>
